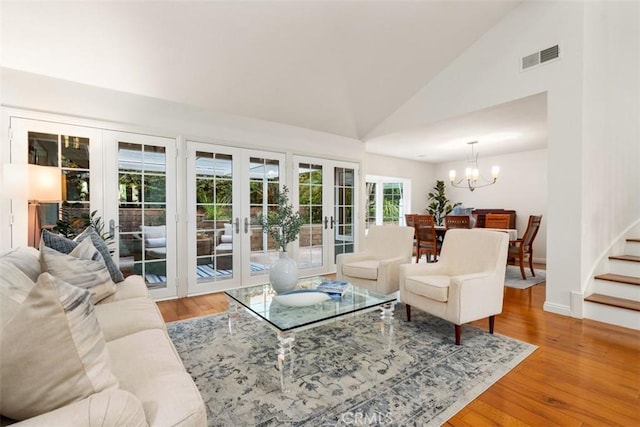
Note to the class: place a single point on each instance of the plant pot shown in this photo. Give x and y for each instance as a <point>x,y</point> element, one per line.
<point>283,274</point>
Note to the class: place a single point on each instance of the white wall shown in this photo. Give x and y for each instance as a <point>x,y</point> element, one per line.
<point>421,174</point>
<point>488,74</point>
<point>521,186</point>
<point>611,143</point>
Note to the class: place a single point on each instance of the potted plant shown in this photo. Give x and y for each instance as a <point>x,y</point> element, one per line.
<point>440,205</point>
<point>283,225</point>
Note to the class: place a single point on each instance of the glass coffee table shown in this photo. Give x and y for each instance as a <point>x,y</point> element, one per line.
<point>287,320</point>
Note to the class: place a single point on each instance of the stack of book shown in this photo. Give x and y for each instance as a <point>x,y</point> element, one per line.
<point>334,288</point>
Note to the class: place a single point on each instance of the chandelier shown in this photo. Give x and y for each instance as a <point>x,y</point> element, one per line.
<point>472,173</point>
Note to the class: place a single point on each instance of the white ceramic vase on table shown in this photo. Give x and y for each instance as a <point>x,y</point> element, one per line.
<point>283,273</point>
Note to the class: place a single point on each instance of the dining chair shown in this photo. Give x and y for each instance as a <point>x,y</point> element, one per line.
<point>408,219</point>
<point>497,220</point>
<point>426,237</point>
<point>521,249</point>
<point>457,221</point>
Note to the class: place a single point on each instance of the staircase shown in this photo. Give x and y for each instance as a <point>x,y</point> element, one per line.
<point>616,297</point>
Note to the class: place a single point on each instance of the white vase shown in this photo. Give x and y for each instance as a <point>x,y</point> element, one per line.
<point>283,274</point>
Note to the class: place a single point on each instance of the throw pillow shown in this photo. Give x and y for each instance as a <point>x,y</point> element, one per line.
<point>53,352</point>
<point>64,245</point>
<point>25,258</point>
<point>82,267</point>
<point>15,285</point>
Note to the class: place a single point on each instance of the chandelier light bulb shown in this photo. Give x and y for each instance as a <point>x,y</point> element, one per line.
<point>472,173</point>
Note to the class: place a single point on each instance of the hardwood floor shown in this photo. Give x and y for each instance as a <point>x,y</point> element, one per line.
<point>584,373</point>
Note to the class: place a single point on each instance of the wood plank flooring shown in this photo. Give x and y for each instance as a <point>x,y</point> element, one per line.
<point>584,373</point>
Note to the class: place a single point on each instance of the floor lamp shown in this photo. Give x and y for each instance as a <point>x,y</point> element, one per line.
<point>44,187</point>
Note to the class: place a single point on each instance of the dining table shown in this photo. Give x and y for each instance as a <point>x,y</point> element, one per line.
<point>513,233</point>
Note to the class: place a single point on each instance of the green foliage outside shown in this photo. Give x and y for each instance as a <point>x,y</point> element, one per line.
<point>282,224</point>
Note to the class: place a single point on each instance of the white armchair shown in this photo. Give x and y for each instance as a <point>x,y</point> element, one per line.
<point>376,268</point>
<point>466,283</point>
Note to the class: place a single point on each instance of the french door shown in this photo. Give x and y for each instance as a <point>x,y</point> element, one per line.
<point>326,193</point>
<point>71,153</point>
<point>140,187</point>
<point>227,190</point>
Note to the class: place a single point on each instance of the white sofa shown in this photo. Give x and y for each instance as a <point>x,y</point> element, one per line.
<point>151,385</point>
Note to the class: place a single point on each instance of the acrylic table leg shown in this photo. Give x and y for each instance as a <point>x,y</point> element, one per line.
<point>386,324</point>
<point>286,359</point>
<point>233,315</point>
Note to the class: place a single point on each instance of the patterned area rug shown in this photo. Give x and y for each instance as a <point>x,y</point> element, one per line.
<point>513,277</point>
<point>345,374</point>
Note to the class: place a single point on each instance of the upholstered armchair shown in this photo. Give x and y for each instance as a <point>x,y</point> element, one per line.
<point>376,267</point>
<point>466,283</point>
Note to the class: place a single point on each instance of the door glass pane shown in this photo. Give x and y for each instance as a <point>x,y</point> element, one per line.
<point>214,230</point>
<point>264,183</point>
<point>391,203</point>
<point>142,212</point>
<point>70,154</point>
<point>344,209</point>
<point>310,201</point>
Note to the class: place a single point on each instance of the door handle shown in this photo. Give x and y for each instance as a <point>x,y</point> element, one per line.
<point>112,228</point>
<point>333,222</point>
<point>246,225</point>
<point>326,222</point>
<point>237,225</point>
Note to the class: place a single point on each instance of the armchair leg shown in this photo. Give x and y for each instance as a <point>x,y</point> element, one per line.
<point>492,322</point>
<point>458,334</point>
<point>408,310</point>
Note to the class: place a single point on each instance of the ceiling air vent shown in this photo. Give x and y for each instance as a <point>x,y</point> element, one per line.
<point>538,58</point>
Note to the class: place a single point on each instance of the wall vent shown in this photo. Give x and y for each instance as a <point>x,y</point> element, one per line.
<point>545,55</point>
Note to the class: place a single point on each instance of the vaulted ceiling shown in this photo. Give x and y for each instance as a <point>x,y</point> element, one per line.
<point>340,67</point>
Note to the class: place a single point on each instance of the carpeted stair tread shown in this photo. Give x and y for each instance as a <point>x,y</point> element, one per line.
<point>614,301</point>
<point>629,280</point>
<point>632,258</point>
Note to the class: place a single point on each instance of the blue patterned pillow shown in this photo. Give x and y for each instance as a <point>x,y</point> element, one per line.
<point>64,245</point>
<point>101,246</point>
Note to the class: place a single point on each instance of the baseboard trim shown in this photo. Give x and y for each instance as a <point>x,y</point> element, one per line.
<point>552,307</point>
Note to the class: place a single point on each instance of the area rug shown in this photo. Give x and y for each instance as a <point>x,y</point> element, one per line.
<point>345,371</point>
<point>513,278</point>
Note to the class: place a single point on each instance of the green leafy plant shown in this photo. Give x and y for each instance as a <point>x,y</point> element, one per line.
<point>439,205</point>
<point>74,220</point>
<point>282,224</point>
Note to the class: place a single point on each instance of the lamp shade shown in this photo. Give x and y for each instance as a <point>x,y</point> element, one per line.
<point>44,184</point>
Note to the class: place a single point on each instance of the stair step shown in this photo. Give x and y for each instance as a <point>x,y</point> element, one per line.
<point>637,240</point>
<point>632,258</point>
<point>619,278</point>
<point>613,301</point>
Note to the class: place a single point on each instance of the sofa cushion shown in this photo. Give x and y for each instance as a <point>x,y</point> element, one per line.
<point>132,287</point>
<point>82,267</point>
<point>129,316</point>
<point>154,231</point>
<point>362,269</point>
<point>64,245</point>
<point>149,367</point>
<point>25,258</point>
<point>110,408</point>
<point>433,287</point>
<point>61,357</point>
